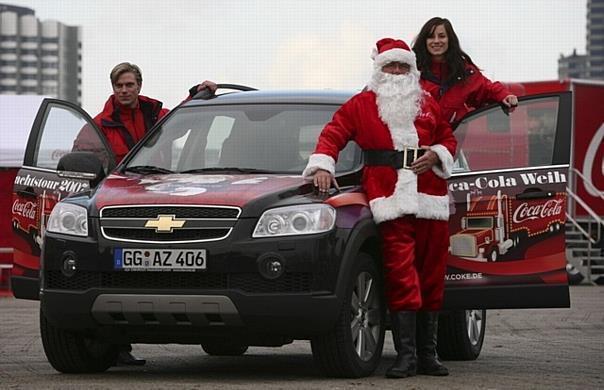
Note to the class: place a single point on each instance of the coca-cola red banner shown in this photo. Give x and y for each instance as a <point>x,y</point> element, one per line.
<point>588,141</point>
<point>507,227</point>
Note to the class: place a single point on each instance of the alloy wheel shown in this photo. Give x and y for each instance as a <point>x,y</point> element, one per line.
<point>474,325</point>
<point>365,312</point>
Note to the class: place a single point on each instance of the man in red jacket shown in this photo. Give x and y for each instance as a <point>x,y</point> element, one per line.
<point>408,148</point>
<point>125,119</point>
<point>127,115</point>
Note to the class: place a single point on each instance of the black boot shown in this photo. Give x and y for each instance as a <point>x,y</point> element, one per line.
<point>427,331</point>
<point>403,334</point>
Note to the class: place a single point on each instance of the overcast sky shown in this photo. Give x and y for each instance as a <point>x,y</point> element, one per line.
<point>301,44</point>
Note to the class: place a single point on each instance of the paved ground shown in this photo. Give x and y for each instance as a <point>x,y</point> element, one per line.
<point>528,349</point>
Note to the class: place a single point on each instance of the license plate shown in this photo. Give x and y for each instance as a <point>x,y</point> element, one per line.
<point>128,259</point>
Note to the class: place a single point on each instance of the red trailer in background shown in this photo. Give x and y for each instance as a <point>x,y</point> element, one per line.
<point>7,177</point>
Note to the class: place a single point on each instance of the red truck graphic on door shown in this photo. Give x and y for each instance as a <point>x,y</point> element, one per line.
<point>495,224</point>
<point>32,216</point>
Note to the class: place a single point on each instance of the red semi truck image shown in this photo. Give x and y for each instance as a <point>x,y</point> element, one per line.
<point>31,215</point>
<point>495,224</point>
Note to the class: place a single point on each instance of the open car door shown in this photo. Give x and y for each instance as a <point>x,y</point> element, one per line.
<point>507,243</point>
<point>59,128</point>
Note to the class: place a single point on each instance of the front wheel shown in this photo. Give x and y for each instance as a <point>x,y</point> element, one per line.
<point>492,256</point>
<point>354,347</point>
<point>461,334</point>
<point>74,353</point>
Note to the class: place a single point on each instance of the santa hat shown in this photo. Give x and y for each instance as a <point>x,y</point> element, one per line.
<point>393,50</point>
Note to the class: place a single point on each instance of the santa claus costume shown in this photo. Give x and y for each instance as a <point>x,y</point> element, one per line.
<point>390,121</point>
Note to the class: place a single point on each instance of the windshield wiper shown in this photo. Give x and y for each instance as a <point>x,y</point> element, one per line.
<point>146,169</point>
<point>232,169</point>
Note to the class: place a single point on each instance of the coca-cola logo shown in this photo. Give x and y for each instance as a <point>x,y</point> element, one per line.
<point>590,164</point>
<point>525,211</point>
<point>26,209</point>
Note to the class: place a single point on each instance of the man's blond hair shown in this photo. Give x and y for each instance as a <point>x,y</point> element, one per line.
<point>125,67</point>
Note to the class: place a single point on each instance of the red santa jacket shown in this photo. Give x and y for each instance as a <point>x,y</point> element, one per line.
<point>124,127</point>
<point>458,99</point>
<point>392,193</point>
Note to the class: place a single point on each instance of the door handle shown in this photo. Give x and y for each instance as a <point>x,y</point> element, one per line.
<point>535,195</point>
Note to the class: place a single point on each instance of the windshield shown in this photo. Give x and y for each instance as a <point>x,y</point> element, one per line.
<point>480,223</point>
<point>263,137</point>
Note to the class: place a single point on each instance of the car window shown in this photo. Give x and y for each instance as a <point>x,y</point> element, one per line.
<point>62,125</point>
<point>276,137</point>
<point>491,139</point>
<point>219,131</point>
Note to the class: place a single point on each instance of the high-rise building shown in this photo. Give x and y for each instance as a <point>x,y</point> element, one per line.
<point>590,65</point>
<point>573,66</point>
<point>39,57</point>
<point>595,39</point>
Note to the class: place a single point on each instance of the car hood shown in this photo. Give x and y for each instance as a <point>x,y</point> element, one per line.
<point>199,189</point>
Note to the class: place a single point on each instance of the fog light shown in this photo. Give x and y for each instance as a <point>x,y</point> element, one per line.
<point>69,267</point>
<point>271,265</point>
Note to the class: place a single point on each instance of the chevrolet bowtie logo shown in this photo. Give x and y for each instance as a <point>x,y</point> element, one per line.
<point>165,223</point>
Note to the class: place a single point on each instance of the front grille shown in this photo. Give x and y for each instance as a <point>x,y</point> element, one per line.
<point>248,282</point>
<point>463,245</point>
<point>176,235</point>
<point>178,211</point>
<point>201,223</point>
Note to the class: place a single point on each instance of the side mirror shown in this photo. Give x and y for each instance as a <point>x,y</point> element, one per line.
<point>82,165</point>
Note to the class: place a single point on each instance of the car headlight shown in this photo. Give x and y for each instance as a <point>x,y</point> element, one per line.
<point>294,220</point>
<point>68,218</point>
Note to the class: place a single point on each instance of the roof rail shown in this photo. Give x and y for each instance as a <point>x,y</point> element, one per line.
<point>205,94</point>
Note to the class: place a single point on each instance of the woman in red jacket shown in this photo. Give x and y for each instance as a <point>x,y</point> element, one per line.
<point>450,76</point>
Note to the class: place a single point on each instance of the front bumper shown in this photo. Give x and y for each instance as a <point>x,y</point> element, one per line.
<point>148,316</point>
<point>230,296</point>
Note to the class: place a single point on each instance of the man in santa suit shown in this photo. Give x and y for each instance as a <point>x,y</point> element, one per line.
<point>409,151</point>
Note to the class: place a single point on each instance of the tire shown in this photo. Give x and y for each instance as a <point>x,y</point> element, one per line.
<point>347,353</point>
<point>575,277</point>
<point>224,348</point>
<point>74,353</point>
<point>461,334</point>
<point>492,256</point>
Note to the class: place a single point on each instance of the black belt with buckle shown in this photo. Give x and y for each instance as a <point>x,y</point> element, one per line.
<point>394,158</point>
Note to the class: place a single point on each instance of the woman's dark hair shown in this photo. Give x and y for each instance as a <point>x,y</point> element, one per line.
<point>455,57</point>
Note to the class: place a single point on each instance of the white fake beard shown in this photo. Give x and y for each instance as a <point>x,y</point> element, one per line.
<point>398,100</point>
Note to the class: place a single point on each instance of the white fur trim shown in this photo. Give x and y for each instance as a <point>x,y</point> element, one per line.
<point>319,161</point>
<point>402,137</point>
<point>445,168</point>
<point>432,207</point>
<point>396,55</point>
<point>403,200</point>
<point>407,201</point>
